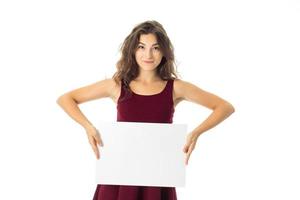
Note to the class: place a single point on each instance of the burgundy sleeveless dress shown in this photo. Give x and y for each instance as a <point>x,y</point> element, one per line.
<point>156,108</point>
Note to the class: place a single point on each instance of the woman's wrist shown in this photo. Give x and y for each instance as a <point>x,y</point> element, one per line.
<point>194,136</point>
<point>88,126</point>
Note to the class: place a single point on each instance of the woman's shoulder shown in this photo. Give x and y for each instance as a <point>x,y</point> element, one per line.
<point>107,87</point>
<point>179,86</point>
<point>183,89</point>
<point>113,88</point>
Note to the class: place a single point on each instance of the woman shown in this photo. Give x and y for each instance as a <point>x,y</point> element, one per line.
<point>145,88</point>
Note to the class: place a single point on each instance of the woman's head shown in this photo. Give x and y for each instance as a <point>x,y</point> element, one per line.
<point>148,54</point>
<point>148,41</point>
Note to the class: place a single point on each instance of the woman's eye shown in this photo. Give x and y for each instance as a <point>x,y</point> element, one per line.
<point>155,48</point>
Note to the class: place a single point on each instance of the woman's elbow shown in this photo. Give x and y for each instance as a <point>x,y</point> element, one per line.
<point>229,108</point>
<point>62,98</point>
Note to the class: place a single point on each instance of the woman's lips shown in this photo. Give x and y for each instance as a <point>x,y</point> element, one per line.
<point>148,61</point>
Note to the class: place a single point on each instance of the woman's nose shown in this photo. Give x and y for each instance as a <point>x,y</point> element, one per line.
<point>149,53</point>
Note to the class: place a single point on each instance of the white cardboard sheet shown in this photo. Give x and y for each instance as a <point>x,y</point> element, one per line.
<point>141,154</point>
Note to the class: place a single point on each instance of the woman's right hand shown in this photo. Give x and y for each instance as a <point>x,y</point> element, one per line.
<point>94,139</point>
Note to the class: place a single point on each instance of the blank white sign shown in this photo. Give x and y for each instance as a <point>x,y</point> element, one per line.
<point>141,154</point>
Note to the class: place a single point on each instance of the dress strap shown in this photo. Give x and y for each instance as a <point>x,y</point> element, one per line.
<point>170,85</point>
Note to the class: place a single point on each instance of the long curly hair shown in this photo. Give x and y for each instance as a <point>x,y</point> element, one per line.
<point>127,67</point>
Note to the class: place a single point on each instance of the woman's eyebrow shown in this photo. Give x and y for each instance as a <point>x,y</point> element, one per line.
<point>145,44</point>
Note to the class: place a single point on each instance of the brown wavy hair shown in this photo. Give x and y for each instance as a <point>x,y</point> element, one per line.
<point>127,67</point>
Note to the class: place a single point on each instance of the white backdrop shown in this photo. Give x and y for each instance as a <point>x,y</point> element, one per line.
<point>246,52</point>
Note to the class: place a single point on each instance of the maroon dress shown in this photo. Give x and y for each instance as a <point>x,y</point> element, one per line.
<point>156,108</point>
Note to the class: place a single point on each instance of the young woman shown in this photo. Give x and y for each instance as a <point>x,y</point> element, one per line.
<point>145,88</point>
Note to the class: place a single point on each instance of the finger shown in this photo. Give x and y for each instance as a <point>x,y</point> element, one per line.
<point>101,143</point>
<point>93,144</point>
<point>96,150</point>
<point>186,161</point>
<point>97,154</point>
<point>185,148</point>
<point>189,144</point>
<point>98,139</point>
<point>187,158</point>
<point>192,147</point>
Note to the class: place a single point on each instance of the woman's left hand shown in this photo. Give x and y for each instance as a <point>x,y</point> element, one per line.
<point>189,146</point>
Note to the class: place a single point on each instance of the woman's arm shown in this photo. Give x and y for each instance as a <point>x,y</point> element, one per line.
<point>221,108</point>
<point>70,100</point>
<point>70,106</point>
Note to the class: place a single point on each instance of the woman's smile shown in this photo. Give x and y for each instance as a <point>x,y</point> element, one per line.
<point>149,62</point>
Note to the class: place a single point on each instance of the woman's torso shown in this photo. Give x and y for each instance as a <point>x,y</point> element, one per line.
<point>138,88</point>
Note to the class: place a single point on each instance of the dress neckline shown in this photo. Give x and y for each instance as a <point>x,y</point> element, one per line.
<point>165,87</point>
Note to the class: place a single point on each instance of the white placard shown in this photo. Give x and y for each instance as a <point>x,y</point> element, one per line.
<point>141,154</point>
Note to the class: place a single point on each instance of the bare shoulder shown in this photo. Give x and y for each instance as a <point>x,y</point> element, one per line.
<point>100,89</point>
<point>177,87</point>
<point>177,96</point>
<point>180,86</point>
<point>184,90</point>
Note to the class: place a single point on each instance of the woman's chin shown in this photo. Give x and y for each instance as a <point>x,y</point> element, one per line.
<point>148,68</point>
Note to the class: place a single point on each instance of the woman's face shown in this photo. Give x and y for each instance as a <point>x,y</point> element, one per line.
<point>148,54</point>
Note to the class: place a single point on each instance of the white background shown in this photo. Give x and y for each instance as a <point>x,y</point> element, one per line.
<point>247,52</point>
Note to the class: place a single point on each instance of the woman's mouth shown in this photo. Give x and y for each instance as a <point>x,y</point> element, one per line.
<point>146,61</point>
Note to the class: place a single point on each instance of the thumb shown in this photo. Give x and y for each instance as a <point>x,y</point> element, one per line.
<point>185,148</point>
<point>98,139</point>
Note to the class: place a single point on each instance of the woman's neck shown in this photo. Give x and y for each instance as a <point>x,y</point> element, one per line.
<point>147,77</point>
